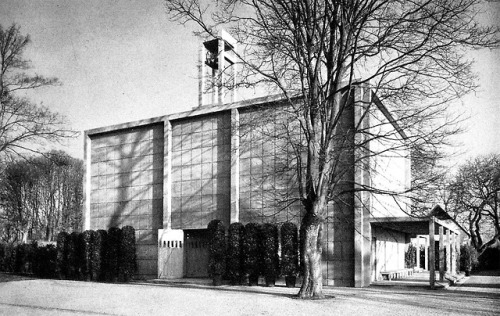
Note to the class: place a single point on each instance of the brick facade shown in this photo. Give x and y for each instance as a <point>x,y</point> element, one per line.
<point>231,162</point>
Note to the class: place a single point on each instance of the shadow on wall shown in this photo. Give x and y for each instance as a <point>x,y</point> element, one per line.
<point>201,171</point>
<point>127,181</point>
<point>268,175</point>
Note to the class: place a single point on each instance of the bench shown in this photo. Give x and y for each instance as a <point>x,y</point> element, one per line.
<point>396,274</point>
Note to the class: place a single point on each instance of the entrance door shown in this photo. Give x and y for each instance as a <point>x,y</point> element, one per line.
<point>196,253</point>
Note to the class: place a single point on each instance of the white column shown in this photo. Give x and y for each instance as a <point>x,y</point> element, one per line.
<point>432,266</point>
<point>426,254</point>
<point>453,254</point>
<point>222,65</point>
<point>418,253</point>
<point>202,75</point>
<point>448,251</point>
<point>441,253</point>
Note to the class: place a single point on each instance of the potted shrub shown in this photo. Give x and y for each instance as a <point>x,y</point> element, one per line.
<point>289,253</point>
<point>250,249</point>
<point>235,253</point>
<point>270,259</point>
<point>468,258</point>
<point>216,251</point>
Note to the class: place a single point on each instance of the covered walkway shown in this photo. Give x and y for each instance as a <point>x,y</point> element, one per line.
<point>438,226</point>
<point>417,279</point>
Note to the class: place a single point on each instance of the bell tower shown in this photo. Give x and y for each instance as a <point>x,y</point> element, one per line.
<point>217,70</point>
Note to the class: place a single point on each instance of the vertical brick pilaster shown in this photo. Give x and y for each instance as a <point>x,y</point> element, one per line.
<point>453,253</point>
<point>362,228</point>
<point>235,166</point>
<point>167,175</point>
<point>441,253</point>
<point>86,181</point>
<point>418,252</point>
<point>426,254</point>
<point>432,252</point>
<point>448,251</point>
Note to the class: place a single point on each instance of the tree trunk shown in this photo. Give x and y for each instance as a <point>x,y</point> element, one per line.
<point>311,230</point>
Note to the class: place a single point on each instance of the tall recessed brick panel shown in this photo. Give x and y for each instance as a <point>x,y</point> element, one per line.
<point>127,187</point>
<point>201,155</point>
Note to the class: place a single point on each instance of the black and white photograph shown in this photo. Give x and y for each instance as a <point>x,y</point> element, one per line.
<point>250,157</point>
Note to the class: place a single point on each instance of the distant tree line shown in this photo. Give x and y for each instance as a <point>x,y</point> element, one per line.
<point>474,196</point>
<point>40,196</point>
<point>471,196</point>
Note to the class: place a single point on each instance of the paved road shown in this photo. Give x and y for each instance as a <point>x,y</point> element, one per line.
<point>53,297</point>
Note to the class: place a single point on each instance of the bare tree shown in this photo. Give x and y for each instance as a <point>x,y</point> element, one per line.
<point>41,196</point>
<point>22,122</point>
<point>411,54</point>
<point>430,183</point>
<point>475,194</point>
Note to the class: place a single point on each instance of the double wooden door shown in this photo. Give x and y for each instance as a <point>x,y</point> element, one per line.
<point>196,253</point>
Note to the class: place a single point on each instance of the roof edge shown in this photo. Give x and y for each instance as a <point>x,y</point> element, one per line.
<point>196,111</point>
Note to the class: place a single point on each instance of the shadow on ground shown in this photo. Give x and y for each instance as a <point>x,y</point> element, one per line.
<point>8,277</point>
<point>487,273</point>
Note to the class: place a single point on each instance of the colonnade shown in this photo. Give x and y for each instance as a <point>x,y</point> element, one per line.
<point>449,249</point>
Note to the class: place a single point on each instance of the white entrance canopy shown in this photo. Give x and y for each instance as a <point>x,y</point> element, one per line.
<point>438,221</point>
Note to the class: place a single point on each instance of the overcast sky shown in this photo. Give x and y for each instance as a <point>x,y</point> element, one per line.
<point>123,60</point>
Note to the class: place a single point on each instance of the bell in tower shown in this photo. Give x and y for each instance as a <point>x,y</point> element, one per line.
<point>217,70</point>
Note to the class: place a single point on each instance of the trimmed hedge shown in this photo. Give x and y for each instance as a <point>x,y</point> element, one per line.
<point>251,260</point>
<point>29,259</point>
<point>113,254</point>
<point>85,241</point>
<point>235,252</point>
<point>72,256</point>
<point>289,249</point>
<point>270,246</point>
<point>45,261</point>
<point>2,256</point>
<point>95,255</point>
<point>90,255</point>
<point>24,256</point>
<point>217,248</point>
<point>103,254</point>
<point>127,264</point>
<point>468,258</point>
<point>10,258</point>
<point>62,264</point>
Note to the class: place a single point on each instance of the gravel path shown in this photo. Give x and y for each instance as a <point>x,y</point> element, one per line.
<point>54,297</point>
